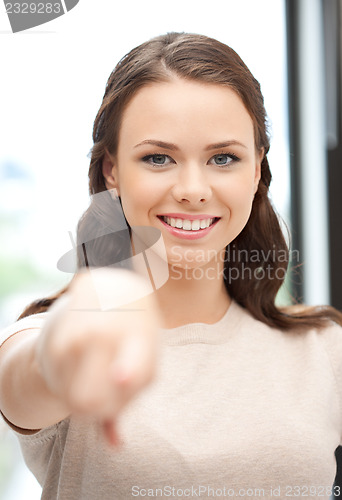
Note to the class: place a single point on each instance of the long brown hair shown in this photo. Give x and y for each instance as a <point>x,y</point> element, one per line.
<point>197,57</point>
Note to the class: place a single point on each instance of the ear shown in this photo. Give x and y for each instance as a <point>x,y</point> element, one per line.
<point>257,177</point>
<point>110,172</point>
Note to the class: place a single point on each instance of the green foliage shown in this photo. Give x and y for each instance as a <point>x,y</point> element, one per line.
<point>16,275</point>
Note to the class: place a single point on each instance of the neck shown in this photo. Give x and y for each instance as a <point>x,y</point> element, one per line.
<point>193,296</point>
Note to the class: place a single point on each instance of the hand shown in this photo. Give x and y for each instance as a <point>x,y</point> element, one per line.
<point>94,360</point>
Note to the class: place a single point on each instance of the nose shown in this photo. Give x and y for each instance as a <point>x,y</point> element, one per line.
<point>192,185</point>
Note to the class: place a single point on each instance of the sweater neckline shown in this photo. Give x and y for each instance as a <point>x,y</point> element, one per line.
<point>204,333</point>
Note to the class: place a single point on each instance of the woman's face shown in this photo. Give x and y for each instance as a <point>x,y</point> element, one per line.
<point>186,164</point>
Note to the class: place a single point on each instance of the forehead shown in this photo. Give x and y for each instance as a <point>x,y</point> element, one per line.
<point>181,107</point>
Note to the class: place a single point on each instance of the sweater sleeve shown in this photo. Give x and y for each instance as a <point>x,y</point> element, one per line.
<point>44,447</point>
<point>332,339</point>
<point>43,453</point>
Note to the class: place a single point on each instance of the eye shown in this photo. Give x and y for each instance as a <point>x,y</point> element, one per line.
<point>159,160</point>
<point>223,159</point>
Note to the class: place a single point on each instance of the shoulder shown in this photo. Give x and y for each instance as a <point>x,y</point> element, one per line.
<point>35,321</point>
<point>330,333</point>
<point>331,336</point>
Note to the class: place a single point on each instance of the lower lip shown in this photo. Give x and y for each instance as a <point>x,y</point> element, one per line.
<point>188,235</point>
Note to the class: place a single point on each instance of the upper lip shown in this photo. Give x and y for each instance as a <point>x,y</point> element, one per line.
<point>189,216</point>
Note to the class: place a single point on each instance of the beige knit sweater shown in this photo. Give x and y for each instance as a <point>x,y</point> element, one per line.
<point>238,410</point>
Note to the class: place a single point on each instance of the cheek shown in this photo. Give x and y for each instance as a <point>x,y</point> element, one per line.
<point>238,195</point>
<point>138,197</point>
<point>238,201</point>
<point>245,201</point>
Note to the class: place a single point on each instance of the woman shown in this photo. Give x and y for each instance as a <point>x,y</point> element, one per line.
<point>209,387</point>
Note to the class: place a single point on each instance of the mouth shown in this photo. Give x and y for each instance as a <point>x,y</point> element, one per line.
<point>198,224</point>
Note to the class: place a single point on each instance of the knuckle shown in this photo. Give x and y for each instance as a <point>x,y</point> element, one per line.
<point>82,401</point>
<point>84,405</point>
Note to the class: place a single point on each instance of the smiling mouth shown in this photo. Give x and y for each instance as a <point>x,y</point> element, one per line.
<point>187,224</point>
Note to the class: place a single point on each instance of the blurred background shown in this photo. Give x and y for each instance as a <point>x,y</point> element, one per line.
<point>52,83</point>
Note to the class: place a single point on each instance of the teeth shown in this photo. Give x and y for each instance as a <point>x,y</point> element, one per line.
<point>187,224</point>
<point>195,225</point>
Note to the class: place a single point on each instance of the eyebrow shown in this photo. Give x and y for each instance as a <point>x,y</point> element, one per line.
<point>173,147</point>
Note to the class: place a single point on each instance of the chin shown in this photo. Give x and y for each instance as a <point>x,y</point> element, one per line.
<point>209,271</point>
